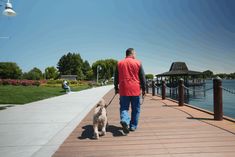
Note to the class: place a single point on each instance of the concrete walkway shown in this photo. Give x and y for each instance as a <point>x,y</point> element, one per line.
<point>37,129</point>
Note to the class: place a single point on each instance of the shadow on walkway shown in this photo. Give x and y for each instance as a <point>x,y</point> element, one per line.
<point>88,132</point>
<point>197,118</point>
<point>3,108</point>
<point>115,130</point>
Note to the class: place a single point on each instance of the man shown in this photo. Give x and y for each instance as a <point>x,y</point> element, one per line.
<point>65,86</point>
<point>128,81</point>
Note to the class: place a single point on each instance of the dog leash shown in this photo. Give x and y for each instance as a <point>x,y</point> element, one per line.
<point>116,94</point>
<point>110,101</point>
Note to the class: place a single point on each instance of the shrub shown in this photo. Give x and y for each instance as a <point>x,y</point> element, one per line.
<point>82,82</point>
<point>5,82</point>
<point>54,81</point>
<point>51,82</point>
<point>90,84</point>
<point>36,83</point>
<point>73,82</point>
<point>15,82</point>
<point>19,82</point>
<point>43,81</point>
<point>59,81</point>
<point>26,83</point>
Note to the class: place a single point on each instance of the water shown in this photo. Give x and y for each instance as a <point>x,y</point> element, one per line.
<point>205,99</point>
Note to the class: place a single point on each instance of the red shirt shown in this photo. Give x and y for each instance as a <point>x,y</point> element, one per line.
<point>128,77</point>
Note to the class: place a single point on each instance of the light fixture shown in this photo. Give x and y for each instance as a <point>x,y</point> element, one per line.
<point>98,68</point>
<point>9,10</point>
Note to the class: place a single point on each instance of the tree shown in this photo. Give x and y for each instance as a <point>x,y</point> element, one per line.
<point>51,73</point>
<point>108,67</point>
<point>232,75</point>
<point>86,69</point>
<point>208,74</point>
<point>90,75</point>
<point>149,76</point>
<point>71,64</point>
<point>10,70</point>
<point>222,75</point>
<point>34,74</point>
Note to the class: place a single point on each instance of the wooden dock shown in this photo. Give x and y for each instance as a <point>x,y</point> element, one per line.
<point>165,130</point>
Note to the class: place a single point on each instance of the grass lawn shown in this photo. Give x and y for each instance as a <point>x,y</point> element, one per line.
<point>25,94</point>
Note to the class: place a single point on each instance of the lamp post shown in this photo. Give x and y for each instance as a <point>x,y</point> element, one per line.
<point>97,71</point>
<point>8,11</point>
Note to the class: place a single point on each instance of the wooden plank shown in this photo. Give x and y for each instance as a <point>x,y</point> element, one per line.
<point>164,130</point>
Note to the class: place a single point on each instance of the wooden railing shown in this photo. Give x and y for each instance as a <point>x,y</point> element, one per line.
<point>217,94</point>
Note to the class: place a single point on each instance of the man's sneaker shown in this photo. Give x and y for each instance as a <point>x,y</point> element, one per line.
<point>132,129</point>
<point>125,127</point>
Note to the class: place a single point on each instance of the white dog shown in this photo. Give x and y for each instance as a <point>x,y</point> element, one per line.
<point>100,119</point>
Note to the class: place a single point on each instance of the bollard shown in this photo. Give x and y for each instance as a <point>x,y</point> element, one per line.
<point>218,103</point>
<point>153,88</point>
<point>147,88</point>
<point>181,92</point>
<point>157,85</point>
<point>163,90</point>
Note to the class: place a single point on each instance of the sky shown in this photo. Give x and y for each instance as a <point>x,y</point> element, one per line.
<point>198,32</point>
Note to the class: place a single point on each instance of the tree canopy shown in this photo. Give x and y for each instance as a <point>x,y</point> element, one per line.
<point>34,74</point>
<point>10,70</point>
<point>87,71</point>
<point>71,64</point>
<point>51,73</point>
<point>208,74</point>
<point>149,76</point>
<point>108,67</point>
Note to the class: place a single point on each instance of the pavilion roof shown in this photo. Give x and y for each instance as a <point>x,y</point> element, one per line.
<point>179,69</point>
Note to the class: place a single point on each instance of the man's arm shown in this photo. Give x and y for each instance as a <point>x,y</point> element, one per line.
<point>142,78</point>
<point>116,81</point>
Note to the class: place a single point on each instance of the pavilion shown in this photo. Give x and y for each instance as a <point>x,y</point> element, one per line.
<point>180,70</point>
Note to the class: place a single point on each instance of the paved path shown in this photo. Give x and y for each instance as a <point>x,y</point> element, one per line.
<point>165,130</point>
<point>37,129</point>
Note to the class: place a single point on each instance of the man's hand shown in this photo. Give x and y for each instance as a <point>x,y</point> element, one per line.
<point>143,93</point>
<point>116,91</point>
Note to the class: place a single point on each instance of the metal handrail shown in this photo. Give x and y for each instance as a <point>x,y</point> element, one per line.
<point>171,87</point>
<point>203,90</point>
<point>228,90</point>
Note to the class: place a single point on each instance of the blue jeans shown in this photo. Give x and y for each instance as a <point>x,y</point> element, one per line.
<point>125,102</point>
<point>67,89</point>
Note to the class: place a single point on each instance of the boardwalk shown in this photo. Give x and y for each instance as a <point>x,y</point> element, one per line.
<point>165,130</point>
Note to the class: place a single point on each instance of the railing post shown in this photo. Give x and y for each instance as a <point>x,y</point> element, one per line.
<point>163,90</point>
<point>218,103</point>
<point>157,85</point>
<point>147,88</point>
<point>153,88</point>
<point>181,92</point>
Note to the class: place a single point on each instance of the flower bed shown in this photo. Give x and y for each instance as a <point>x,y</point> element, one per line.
<point>19,82</point>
